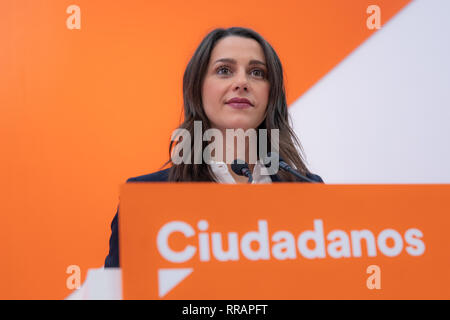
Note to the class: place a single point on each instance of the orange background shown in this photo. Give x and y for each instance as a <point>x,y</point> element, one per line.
<point>145,208</point>
<point>82,110</point>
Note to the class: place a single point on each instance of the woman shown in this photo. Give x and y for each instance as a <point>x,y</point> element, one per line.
<point>233,81</point>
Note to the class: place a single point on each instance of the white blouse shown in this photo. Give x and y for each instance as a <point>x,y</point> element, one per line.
<point>222,175</point>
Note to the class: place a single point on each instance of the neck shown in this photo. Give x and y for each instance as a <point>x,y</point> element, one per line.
<point>243,148</point>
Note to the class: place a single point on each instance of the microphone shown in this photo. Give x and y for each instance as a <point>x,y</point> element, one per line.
<point>283,165</point>
<point>241,168</point>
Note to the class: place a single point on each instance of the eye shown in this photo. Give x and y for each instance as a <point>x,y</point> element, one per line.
<point>222,68</point>
<point>259,73</point>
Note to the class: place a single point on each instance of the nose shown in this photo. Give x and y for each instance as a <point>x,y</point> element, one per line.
<point>241,82</point>
<point>243,86</point>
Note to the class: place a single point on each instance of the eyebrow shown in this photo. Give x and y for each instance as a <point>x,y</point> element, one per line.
<point>232,61</point>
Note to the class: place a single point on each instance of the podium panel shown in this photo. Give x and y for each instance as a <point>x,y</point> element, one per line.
<point>284,241</point>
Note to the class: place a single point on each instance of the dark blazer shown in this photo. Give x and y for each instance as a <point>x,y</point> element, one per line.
<point>112,260</point>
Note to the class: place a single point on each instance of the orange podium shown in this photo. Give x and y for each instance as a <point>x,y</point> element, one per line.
<point>284,241</point>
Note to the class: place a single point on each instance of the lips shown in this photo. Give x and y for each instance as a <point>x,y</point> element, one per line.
<point>239,103</point>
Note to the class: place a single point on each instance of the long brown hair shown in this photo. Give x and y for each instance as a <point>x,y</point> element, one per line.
<point>276,116</point>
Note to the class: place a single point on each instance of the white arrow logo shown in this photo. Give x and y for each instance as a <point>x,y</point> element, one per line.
<point>169,278</point>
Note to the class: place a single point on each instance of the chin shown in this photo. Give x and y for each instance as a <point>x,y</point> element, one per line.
<point>243,126</point>
<point>240,123</point>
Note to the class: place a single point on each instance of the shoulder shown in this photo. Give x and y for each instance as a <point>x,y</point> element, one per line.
<point>314,177</point>
<point>309,175</point>
<point>159,176</point>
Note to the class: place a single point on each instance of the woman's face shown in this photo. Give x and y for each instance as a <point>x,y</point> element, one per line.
<point>237,69</point>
